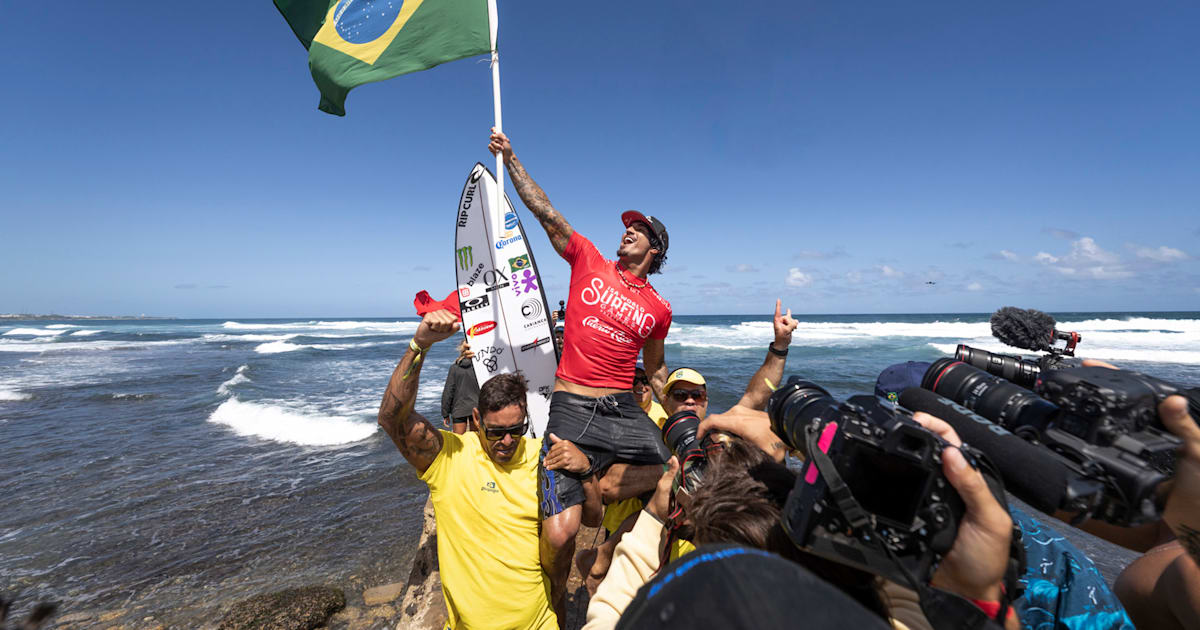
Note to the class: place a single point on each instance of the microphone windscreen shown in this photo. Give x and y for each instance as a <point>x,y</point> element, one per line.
<point>1021,328</point>
<point>1036,476</point>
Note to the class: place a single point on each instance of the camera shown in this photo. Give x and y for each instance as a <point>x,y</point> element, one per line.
<point>679,432</point>
<point>1023,372</point>
<point>872,493</point>
<point>1105,421</point>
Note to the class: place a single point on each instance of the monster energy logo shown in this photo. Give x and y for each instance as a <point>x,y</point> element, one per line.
<point>465,259</point>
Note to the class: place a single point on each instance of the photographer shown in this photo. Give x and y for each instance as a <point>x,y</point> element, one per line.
<point>685,389</point>
<point>1161,589</point>
<point>747,478</point>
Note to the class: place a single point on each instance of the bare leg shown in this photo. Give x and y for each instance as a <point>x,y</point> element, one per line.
<point>1144,585</point>
<point>557,550</point>
<point>459,427</point>
<point>593,508</point>
<point>593,563</point>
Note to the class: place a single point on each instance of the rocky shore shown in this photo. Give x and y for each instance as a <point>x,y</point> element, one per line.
<point>416,604</point>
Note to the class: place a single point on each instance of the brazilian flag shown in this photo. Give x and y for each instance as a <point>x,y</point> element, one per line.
<point>352,42</point>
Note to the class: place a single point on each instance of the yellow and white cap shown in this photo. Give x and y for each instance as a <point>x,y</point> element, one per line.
<point>687,375</point>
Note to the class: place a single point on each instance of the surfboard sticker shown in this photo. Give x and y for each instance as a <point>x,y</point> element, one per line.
<point>506,319</point>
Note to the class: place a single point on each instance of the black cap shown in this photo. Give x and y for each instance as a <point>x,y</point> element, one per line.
<point>656,227</point>
<point>726,586</point>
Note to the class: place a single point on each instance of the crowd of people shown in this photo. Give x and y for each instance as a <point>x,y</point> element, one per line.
<point>508,507</point>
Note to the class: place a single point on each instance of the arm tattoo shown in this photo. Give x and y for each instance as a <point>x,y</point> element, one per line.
<point>413,435</point>
<point>538,203</point>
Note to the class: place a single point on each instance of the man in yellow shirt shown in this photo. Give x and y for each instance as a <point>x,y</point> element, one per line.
<point>484,491</point>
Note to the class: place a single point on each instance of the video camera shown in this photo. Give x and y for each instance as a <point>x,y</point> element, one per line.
<point>1029,329</point>
<point>872,493</point>
<point>1104,422</point>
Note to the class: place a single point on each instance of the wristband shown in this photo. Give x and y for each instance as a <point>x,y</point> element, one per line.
<point>778,353</point>
<point>993,608</point>
<point>412,345</point>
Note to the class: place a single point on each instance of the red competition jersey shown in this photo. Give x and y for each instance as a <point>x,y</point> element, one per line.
<point>607,320</point>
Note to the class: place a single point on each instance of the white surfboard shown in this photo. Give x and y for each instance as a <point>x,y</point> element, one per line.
<point>504,310</point>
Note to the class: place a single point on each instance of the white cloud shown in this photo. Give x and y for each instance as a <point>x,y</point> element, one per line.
<point>797,278</point>
<point>974,286</point>
<point>742,268</point>
<point>889,272</point>
<point>1007,255</point>
<point>1086,259</point>
<point>1162,253</point>
<point>853,277</point>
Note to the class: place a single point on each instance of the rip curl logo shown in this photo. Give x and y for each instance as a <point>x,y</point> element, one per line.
<point>618,307</point>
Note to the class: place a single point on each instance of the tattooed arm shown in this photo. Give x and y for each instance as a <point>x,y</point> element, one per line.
<point>416,438</point>
<point>534,197</point>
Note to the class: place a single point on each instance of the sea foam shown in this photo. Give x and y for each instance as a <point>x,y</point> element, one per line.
<point>373,327</point>
<point>238,377</point>
<point>282,424</point>
<point>34,332</point>
<point>11,396</point>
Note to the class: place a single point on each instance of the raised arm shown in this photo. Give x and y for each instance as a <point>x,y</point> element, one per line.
<point>534,197</point>
<point>419,442</point>
<point>757,390</point>
<point>653,355</point>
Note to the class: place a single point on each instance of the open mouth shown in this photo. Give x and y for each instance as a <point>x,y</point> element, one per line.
<point>628,240</point>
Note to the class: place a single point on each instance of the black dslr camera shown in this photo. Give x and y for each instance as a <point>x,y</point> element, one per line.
<point>872,494</point>
<point>679,432</point>
<point>1105,421</point>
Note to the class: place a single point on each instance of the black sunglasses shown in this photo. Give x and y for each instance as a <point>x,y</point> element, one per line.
<point>495,434</point>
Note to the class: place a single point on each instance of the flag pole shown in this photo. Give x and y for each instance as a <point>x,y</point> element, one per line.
<point>494,24</point>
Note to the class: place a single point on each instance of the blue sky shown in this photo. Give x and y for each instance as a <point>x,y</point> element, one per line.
<point>168,158</point>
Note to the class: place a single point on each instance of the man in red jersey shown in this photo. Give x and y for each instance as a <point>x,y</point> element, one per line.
<point>612,314</point>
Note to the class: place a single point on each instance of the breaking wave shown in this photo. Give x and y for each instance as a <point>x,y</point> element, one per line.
<point>295,426</point>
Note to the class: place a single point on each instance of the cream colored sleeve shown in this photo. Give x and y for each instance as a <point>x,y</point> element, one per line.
<point>634,561</point>
<point>904,607</point>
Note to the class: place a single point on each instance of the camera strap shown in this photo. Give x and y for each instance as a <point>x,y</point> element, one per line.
<point>845,500</point>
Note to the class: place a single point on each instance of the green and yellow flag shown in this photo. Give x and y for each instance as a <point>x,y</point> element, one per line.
<point>352,42</point>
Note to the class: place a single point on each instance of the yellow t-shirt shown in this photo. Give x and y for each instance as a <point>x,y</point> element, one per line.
<point>616,513</point>
<point>487,536</point>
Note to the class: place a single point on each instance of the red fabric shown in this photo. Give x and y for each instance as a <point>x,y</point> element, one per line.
<point>426,304</point>
<point>607,322</point>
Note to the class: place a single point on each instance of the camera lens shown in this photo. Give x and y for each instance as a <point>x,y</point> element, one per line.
<point>794,406</point>
<point>990,396</point>
<point>1010,368</point>
<point>679,432</point>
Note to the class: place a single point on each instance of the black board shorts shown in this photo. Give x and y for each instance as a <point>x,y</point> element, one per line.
<point>607,429</point>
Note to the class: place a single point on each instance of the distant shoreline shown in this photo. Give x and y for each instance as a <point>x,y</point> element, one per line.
<point>75,317</point>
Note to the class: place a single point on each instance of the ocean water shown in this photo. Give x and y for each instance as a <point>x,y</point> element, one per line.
<point>174,466</point>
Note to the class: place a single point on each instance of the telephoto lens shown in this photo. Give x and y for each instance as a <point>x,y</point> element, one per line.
<point>794,406</point>
<point>1011,368</point>
<point>679,432</point>
<point>1010,405</point>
